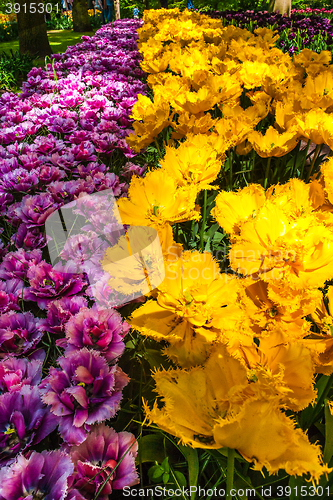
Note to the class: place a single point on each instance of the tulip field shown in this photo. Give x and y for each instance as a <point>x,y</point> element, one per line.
<point>166,262</point>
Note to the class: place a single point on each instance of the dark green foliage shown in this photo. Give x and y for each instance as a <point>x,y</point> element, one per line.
<point>81,20</point>
<point>14,68</point>
<point>59,23</point>
<point>8,31</point>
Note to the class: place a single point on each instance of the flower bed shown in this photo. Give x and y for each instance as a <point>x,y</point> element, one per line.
<point>296,32</point>
<point>238,334</point>
<point>309,11</point>
<point>245,302</point>
<point>62,138</point>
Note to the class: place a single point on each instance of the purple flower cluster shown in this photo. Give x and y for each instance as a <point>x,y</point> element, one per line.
<point>83,391</point>
<point>95,459</point>
<point>310,30</point>
<point>100,329</point>
<point>58,135</point>
<point>308,10</point>
<point>58,141</point>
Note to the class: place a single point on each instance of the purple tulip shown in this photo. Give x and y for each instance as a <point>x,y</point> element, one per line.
<point>130,169</point>
<point>16,264</point>
<point>14,373</point>
<point>65,191</point>
<point>29,239</point>
<point>61,125</point>
<point>83,391</point>
<point>49,173</point>
<point>84,250</point>
<point>48,145</point>
<point>103,295</point>
<point>84,151</point>
<point>90,169</point>
<point>34,210</point>
<point>42,475</point>
<point>10,292</point>
<point>5,200</point>
<point>24,420</point>
<point>65,159</point>
<point>47,283</point>
<point>94,460</point>
<point>19,180</point>
<point>19,333</point>
<point>99,329</point>
<point>31,161</point>
<point>59,312</point>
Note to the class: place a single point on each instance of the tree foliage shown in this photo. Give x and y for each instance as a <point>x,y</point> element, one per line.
<point>81,21</point>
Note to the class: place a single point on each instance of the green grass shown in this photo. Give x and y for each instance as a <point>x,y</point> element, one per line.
<point>59,41</point>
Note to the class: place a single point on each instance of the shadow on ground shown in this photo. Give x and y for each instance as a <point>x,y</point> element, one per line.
<point>59,41</point>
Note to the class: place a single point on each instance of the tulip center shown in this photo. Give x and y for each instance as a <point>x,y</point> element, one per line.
<point>47,282</point>
<point>95,333</point>
<point>9,431</point>
<point>155,210</point>
<point>36,495</point>
<point>111,464</point>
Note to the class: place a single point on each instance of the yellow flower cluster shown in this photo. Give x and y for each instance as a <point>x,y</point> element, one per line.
<point>195,64</point>
<point>243,342</point>
<point>7,18</point>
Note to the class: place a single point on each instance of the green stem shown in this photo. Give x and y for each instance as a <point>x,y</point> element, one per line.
<point>295,484</point>
<point>315,156</point>
<point>276,170</point>
<point>268,167</point>
<point>253,165</point>
<point>230,169</point>
<point>158,148</point>
<point>328,448</point>
<point>323,393</point>
<point>304,159</point>
<point>54,73</point>
<point>45,61</point>
<point>203,224</point>
<point>230,470</point>
<point>295,161</point>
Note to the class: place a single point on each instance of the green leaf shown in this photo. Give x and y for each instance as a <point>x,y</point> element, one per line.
<point>217,237</point>
<point>191,456</point>
<point>207,244</point>
<point>165,477</point>
<point>154,358</point>
<point>165,464</point>
<point>151,449</point>
<point>328,450</point>
<point>130,344</point>
<point>212,230</point>
<point>155,473</point>
<point>180,478</point>
<point>151,149</point>
<point>211,198</point>
<point>195,229</point>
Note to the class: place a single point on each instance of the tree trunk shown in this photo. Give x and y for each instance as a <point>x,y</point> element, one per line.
<point>283,6</point>
<point>117,9</point>
<point>81,20</point>
<point>32,31</point>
